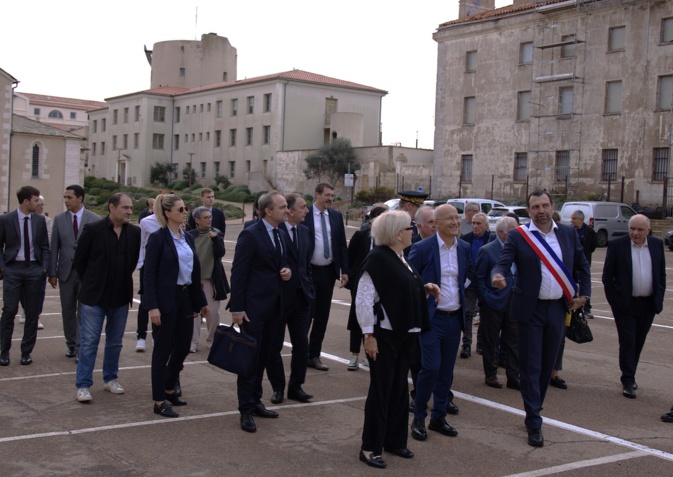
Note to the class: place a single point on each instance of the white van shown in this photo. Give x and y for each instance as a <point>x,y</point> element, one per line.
<point>608,219</point>
<point>484,204</point>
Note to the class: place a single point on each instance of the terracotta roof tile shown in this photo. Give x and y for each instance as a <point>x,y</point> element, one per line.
<point>21,124</point>
<point>498,12</point>
<point>73,103</point>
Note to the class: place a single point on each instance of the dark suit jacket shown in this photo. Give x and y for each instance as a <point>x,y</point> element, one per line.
<point>339,245</point>
<point>618,272</point>
<point>256,286</point>
<point>249,223</point>
<point>590,241</point>
<point>10,238</point>
<point>299,262</point>
<point>495,298</point>
<point>424,256</point>
<point>358,248</point>
<point>490,237</point>
<point>160,273</point>
<point>528,272</point>
<point>92,259</point>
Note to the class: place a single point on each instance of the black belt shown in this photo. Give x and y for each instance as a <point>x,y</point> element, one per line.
<point>447,313</point>
<point>182,287</point>
<point>323,266</point>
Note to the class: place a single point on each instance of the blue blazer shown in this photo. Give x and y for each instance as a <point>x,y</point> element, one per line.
<point>339,245</point>
<point>528,268</point>
<point>618,272</point>
<point>160,274</point>
<point>424,256</point>
<point>494,298</point>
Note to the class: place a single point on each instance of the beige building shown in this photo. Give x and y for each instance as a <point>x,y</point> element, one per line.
<point>67,114</point>
<point>233,128</point>
<point>570,96</point>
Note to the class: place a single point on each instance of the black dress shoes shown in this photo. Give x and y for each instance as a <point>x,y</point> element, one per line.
<point>451,408</point>
<point>71,352</point>
<point>4,359</point>
<point>492,381</point>
<point>535,438</point>
<point>629,391</point>
<point>317,364</point>
<point>373,460</point>
<point>298,394</point>
<point>418,431</point>
<point>26,359</point>
<point>164,409</point>
<point>635,386</point>
<point>440,425</point>
<point>175,400</point>
<point>277,397</point>
<point>465,352</point>
<point>668,417</point>
<point>514,384</point>
<point>404,452</point>
<point>261,411</point>
<point>412,405</point>
<point>558,383</point>
<point>248,423</point>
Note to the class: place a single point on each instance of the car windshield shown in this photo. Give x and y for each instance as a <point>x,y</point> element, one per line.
<point>497,212</point>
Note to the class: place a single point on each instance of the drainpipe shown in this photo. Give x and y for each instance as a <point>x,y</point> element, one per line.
<point>15,84</point>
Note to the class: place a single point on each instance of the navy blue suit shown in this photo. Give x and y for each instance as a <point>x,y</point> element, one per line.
<point>541,322</point>
<point>439,345</point>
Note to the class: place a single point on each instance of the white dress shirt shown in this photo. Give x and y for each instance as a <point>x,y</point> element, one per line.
<point>318,257</point>
<point>549,287</point>
<point>642,270</point>
<point>449,288</point>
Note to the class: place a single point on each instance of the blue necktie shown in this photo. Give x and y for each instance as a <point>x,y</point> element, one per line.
<point>325,238</point>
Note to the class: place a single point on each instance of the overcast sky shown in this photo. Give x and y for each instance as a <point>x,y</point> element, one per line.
<point>94,50</point>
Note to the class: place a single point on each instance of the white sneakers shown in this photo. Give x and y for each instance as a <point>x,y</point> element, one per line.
<point>140,345</point>
<point>194,348</point>
<point>40,326</point>
<point>353,364</point>
<point>84,395</point>
<point>114,387</point>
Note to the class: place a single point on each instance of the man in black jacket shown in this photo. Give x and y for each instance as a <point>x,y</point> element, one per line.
<point>588,240</point>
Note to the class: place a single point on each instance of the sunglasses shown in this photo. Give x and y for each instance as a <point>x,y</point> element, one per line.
<point>182,209</point>
<point>409,228</point>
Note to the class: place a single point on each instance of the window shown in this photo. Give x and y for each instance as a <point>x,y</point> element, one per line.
<point>267,135</point>
<point>36,161</point>
<point>176,114</point>
<point>102,148</point>
<point>208,107</point>
<point>523,106</point>
<point>200,137</point>
<point>218,138</point>
<point>617,38</point>
<point>665,93</point>
<point>136,140</point>
<point>55,114</point>
<point>114,116</point>
<point>73,115</point>
<point>187,109</point>
<point>247,166</point>
<point>125,141</point>
<point>193,137</point>
<point>660,163</point>
<point>218,109</point>
<point>667,30</point>
<point>232,169</point>
<point>267,102</point>
<point>562,165</point>
<point>103,124</point>
<point>203,169</point>
<point>613,97</point>
<point>609,165</point>
<point>526,53</point>
<point>232,137</point>
<point>471,61</point>
<point>159,114</point>
<point>224,76</point>
<point>182,72</point>
<point>331,105</point>
<point>95,125</point>
<point>565,100</point>
<point>569,50</point>
<point>126,115</point>
<point>36,111</point>
<point>114,143</point>
<point>176,142</point>
<point>216,167</point>
<point>207,135</point>
<point>186,138</point>
<point>248,136</point>
<point>93,149</point>
<point>250,102</point>
<point>136,114</point>
<point>157,141</point>
<point>520,166</point>
<point>469,112</point>
<point>200,108</point>
<point>466,168</point>
<point>234,107</point>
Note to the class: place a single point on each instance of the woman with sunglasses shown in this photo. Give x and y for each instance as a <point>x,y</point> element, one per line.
<point>172,294</point>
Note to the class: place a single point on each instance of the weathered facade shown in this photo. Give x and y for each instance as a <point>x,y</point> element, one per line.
<point>7,85</point>
<point>570,96</point>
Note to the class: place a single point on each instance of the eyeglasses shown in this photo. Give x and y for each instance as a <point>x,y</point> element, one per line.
<point>181,209</point>
<point>209,217</point>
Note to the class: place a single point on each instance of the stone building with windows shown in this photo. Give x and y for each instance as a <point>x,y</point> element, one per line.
<point>573,96</point>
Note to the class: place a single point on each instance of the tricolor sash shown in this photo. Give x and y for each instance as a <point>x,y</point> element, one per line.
<point>554,264</point>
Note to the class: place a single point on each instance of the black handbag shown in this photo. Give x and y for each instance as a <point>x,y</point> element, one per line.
<point>578,330</point>
<point>233,351</point>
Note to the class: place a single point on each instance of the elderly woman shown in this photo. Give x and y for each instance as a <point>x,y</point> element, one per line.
<point>209,244</point>
<point>391,309</point>
<point>172,294</point>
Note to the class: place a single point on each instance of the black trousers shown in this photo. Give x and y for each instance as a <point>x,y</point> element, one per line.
<point>387,406</point>
<point>143,317</point>
<point>499,326</point>
<point>296,318</point>
<point>323,281</point>
<point>171,344</point>
<point>633,324</point>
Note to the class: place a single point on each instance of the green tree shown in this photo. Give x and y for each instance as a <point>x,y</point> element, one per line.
<point>375,194</point>
<point>162,173</point>
<point>186,172</point>
<point>331,161</point>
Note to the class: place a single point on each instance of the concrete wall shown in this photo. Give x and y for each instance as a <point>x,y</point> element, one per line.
<point>6,90</point>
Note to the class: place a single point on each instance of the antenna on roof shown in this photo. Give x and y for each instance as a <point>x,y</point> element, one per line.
<point>196,22</point>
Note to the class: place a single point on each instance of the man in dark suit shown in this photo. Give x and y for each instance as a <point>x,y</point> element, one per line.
<point>539,301</point>
<point>64,235</point>
<point>494,312</point>
<point>445,260</point>
<point>259,268</point>
<point>105,258</point>
<point>634,278</point>
<point>24,260</point>
<point>148,211</point>
<point>330,256</point>
<point>589,241</point>
<point>297,297</point>
<point>219,220</point>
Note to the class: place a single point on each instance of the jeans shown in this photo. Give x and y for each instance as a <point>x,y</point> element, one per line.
<point>90,333</point>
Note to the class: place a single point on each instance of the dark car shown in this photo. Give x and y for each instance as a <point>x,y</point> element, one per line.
<point>668,239</point>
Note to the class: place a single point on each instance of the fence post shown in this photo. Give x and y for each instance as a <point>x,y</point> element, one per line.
<point>609,185</point>
<point>492,179</point>
<point>664,199</point>
<point>621,197</point>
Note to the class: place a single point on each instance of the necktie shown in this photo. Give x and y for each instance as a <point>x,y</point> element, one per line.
<point>325,238</point>
<point>26,242</point>
<point>295,238</point>
<point>75,229</point>
<point>276,241</point>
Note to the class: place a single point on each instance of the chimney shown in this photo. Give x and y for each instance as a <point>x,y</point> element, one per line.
<point>467,8</point>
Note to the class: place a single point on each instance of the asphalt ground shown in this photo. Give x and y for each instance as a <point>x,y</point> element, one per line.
<point>589,429</point>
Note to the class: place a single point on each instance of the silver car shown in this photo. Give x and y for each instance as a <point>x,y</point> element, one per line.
<point>608,219</point>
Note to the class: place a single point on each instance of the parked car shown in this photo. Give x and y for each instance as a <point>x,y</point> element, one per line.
<point>484,204</point>
<point>498,213</point>
<point>393,204</point>
<point>608,219</point>
<point>668,239</point>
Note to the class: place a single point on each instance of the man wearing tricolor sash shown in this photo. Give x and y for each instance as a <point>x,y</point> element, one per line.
<point>547,256</point>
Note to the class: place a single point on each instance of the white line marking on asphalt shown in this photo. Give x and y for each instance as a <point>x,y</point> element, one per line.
<point>580,464</point>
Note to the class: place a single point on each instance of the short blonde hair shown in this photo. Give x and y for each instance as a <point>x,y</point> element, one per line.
<point>387,225</point>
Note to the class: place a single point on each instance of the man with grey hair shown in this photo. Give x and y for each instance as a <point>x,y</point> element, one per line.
<point>588,240</point>
<point>494,311</point>
<point>471,208</point>
<point>425,222</point>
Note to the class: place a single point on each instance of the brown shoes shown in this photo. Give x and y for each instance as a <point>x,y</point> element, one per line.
<point>493,382</point>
